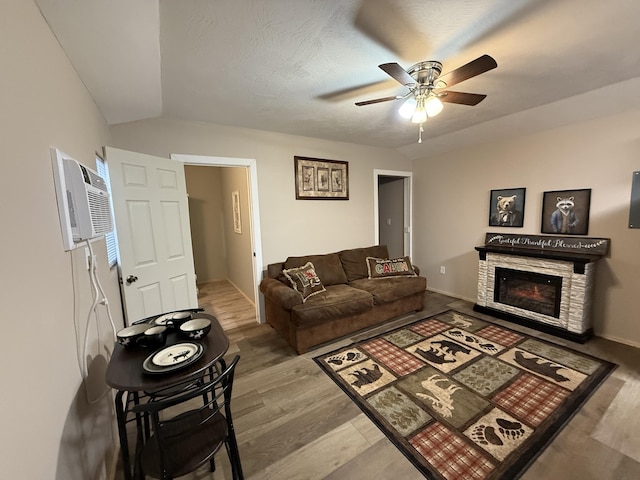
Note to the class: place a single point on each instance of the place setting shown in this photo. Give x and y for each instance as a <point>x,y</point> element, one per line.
<point>154,333</point>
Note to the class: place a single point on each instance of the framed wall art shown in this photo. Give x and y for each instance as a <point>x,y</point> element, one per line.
<point>235,201</point>
<point>566,212</point>
<point>318,179</point>
<point>506,207</point>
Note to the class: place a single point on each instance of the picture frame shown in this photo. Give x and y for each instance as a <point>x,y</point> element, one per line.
<point>566,212</point>
<point>506,207</point>
<point>235,202</point>
<point>320,179</point>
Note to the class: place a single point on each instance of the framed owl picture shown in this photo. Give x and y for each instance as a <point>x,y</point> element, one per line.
<point>566,212</point>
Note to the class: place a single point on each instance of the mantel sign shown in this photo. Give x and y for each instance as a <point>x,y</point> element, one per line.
<point>586,245</point>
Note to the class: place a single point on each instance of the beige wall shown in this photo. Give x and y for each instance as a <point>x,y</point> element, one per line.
<point>204,186</point>
<point>289,226</point>
<point>599,154</point>
<point>239,249</point>
<point>49,429</point>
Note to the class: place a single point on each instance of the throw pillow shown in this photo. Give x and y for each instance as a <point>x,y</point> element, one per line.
<point>385,267</point>
<point>304,280</point>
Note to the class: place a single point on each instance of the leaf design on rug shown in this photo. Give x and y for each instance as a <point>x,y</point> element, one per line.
<point>366,376</point>
<point>541,366</point>
<point>441,400</point>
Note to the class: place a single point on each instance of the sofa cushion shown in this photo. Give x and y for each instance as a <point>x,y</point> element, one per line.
<point>386,267</point>
<point>390,289</point>
<point>328,267</point>
<point>304,280</point>
<point>354,261</point>
<point>335,302</point>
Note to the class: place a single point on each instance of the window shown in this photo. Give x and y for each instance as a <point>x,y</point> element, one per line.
<point>110,238</point>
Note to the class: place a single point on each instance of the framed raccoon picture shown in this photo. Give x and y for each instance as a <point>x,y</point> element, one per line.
<point>566,212</point>
<point>506,207</point>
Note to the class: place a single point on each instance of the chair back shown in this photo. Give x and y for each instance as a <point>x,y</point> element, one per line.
<point>189,424</point>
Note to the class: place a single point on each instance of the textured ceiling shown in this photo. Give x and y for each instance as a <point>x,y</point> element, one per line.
<point>298,66</point>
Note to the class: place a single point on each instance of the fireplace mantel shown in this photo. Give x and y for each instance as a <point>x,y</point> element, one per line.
<point>571,259</point>
<point>579,259</point>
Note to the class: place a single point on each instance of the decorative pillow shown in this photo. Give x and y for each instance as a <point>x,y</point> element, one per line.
<point>304,280</point>
<point>385,267</point>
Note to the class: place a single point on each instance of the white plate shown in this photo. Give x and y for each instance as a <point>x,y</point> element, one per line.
<point>175,354</point>
<point>164,361</point>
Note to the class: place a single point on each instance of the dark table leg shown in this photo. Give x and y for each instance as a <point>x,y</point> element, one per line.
<point>122,431</point>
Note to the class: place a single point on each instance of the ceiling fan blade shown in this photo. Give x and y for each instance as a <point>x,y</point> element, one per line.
<point>461,98</point>
<point>396,71</point>
<point>475,67</point>
<point>358,91</point>
<point>377,100</point>
<point>387,25</point>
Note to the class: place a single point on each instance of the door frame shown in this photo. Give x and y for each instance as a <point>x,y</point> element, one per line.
<point>256,243</point>
<point>408,206</point>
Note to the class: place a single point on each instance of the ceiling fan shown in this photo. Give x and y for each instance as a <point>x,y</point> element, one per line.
<point>426,87</point>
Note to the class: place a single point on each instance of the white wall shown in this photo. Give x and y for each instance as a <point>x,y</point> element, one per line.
<point>289,226</point>
<point>599,154</point>
<point>49,430</point>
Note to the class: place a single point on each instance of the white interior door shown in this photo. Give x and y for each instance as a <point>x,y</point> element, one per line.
<point>154,238</point>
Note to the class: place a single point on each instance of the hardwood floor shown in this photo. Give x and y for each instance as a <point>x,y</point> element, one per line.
<point>294,423</point>
<point>223,300</point>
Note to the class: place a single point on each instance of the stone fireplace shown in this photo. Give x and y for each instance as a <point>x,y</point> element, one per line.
<point>542,282</point>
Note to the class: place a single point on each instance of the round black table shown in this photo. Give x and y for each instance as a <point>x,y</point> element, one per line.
<point>125,374</point>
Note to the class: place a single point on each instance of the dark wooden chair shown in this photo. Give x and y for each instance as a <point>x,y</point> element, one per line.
<point>180,443</point>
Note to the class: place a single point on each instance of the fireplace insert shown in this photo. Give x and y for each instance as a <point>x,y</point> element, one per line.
<point>531,291</point>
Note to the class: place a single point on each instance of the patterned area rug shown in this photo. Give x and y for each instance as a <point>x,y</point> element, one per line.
<point>463,398</point>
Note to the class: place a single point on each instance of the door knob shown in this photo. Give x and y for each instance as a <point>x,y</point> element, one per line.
<point>131,279</point>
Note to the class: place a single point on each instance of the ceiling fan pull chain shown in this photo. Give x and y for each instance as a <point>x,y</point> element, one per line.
<point>420,134</point>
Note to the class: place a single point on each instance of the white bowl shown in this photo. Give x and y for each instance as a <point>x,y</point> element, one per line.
<point>196,328</point>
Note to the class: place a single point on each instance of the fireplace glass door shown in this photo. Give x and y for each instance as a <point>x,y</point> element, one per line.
<point>531,291</point>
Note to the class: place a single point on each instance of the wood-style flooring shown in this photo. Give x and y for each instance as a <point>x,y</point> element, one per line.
<point>294,423</point>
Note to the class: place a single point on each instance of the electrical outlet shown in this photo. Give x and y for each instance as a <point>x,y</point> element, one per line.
<point>442,270</point>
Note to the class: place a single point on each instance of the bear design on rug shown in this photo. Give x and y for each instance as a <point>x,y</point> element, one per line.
<point>507,214</point>
<point>564,219</point>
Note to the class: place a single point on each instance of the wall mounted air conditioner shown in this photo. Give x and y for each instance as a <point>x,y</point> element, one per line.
<point>83,200</point>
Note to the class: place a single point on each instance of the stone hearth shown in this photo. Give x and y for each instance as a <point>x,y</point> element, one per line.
<point>572,270</point>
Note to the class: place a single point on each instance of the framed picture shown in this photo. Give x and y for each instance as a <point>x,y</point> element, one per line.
<point>318,179</point>
<point>235,202</point>
<point>566,212</point>
<point>506,207</point>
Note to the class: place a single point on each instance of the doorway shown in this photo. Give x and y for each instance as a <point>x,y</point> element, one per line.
<point>393,211</point>
<point>251,228</point>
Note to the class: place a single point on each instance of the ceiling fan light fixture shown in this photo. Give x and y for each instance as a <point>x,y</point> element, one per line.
<point>433,106</point>
<point>408,108</point>
<point>419,116</point>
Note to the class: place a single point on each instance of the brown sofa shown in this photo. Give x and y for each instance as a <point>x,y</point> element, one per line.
<point>349,300</point>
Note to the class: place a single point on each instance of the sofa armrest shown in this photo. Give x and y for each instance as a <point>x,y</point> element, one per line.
<point>279,293</point>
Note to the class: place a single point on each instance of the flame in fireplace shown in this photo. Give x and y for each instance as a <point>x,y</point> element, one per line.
<point>531,292</point>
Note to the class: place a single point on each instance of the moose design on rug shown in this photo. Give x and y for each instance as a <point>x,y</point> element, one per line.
<point>440,397</point>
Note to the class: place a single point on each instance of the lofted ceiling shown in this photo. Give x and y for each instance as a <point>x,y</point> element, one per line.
<point>298,66</point>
